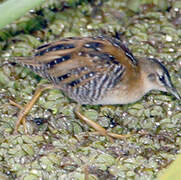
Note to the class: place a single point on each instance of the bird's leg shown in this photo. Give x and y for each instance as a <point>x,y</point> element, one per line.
<point>24,119</point>
<point>25,110</point>
<point>100,130</point>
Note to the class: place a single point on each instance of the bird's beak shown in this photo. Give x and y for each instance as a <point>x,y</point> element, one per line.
<point>174,92</point>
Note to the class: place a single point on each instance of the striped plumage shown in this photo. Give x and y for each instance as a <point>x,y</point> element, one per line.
<point>84,68</point>
<point>96,70</point>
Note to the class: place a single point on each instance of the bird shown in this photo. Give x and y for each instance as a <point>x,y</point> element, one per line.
<point>99,70</point>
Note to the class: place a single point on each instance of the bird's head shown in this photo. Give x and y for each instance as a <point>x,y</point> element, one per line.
<point>156,77</point>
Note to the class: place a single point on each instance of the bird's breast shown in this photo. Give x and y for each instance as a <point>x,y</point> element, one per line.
<point>121,96</point>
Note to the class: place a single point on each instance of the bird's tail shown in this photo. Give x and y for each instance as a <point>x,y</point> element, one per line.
<point>28,61</point>
<point>24,61</point>
<point>31,63</point>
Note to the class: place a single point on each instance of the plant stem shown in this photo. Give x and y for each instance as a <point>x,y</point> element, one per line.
<point>14,9</point>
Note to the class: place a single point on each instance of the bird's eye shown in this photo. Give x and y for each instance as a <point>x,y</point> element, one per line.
<point>151,76</point>
<point>162,78</point>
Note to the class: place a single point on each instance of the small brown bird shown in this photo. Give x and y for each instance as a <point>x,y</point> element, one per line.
<point>96,70</point>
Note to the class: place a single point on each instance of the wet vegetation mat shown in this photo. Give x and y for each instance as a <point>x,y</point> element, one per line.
<point>59,145</point>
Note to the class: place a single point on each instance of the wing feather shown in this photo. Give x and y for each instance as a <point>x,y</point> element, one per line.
<point>85,68</point>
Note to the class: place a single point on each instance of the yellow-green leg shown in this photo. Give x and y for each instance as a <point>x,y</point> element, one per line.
<point>25,110</point>
<point>100,130</point>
